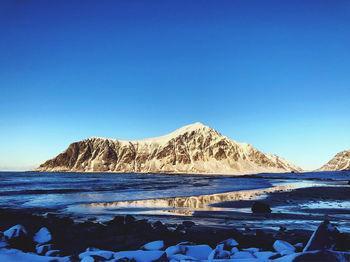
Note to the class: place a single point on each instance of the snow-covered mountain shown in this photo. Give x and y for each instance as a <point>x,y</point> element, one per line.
<point>194,148</point>
<point>340,161</point>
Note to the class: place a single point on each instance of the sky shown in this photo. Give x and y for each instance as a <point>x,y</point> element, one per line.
<point>275,74</point>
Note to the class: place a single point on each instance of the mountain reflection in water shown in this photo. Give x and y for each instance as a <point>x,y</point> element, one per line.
<point>191,202</point>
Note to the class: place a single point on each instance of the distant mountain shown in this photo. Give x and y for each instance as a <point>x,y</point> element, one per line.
<point>340,161</point>
<point>194,148</point>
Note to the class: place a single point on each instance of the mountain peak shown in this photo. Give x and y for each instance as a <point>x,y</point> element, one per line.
<point>194,148</point>
<point>340,161</point>
<point>197,125</point>
<point>191,127</point>
<point>178,132</point>
<point>182,130</point>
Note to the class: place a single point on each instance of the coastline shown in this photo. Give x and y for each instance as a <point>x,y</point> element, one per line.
<point>230,173</point>
<point>125,233</point>
<point>224,209</point>
<point>252,231</point>
<point>289,208</point>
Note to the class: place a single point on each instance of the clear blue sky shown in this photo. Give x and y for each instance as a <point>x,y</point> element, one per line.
<point>275,74</point>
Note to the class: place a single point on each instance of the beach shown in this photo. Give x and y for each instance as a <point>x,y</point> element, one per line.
<point>298,207</point>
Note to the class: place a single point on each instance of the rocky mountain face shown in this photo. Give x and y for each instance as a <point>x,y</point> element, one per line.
<point>341,161</point>
<point>194,148</point>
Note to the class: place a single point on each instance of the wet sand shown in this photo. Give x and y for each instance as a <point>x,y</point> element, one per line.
<point>298,208</point>
<point>337,192</point>
<point>292,208</point>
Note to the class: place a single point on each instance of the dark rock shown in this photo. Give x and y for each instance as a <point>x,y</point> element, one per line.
<point>51,216</point>
<point>129,219</point>
<point>117,220</point>
<point>343,242</point>
<point>259,233</point>
<point>73,238</point>
<point>260,207</point>
<point>158,224</point>
<point>142,226</point>
<point>188,223</point>
<point>282,229</point>
<point>17,237</point>
<point>180,227</point>
<point>159,228</point>
<point>325,237</point>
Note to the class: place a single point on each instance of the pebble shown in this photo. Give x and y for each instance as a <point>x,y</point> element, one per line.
<point>323,238</point>
<point>42,236</point>
<point>155,245</point>
<point>15,232</point>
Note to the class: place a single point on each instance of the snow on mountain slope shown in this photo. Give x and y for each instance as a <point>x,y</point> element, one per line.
<point>340,161</point>
<point>194,148</point>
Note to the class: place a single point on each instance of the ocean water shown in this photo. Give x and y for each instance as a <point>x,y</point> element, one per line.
<point>104,195</point>
<point>60,190</point>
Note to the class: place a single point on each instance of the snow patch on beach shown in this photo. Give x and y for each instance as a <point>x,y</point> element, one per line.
<point>42,236</point>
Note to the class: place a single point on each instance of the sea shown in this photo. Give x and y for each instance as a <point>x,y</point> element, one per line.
<point>102,196</point>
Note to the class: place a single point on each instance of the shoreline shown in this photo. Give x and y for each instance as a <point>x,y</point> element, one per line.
<point>293,205</point>
<point>169,173</point>
<point>125,233</point>
<point>292,208</point>
<point>288,204</point>
<point>116,233</point>
<point>252,231</point>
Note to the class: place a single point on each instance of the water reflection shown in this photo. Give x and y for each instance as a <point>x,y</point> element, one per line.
<point>192,202</point>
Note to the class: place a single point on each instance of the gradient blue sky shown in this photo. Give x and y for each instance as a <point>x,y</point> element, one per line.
<point>275,74</point>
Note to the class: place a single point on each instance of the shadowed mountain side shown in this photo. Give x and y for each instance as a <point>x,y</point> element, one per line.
<point>194,148</point>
